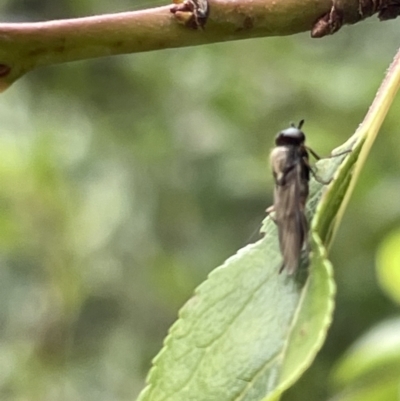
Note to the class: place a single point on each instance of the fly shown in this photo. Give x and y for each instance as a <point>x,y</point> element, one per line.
<point>291,171</point>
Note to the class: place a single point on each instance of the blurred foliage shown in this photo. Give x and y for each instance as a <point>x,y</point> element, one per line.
<point>370,370</point>
<point>388,262</point>
<point>125,180</point>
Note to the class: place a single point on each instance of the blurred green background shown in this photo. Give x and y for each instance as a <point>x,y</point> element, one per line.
<point>124,181</point>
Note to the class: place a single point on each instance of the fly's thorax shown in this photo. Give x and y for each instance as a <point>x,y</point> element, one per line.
<point>279,158</point>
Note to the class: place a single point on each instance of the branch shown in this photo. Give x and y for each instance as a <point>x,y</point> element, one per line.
<point>25,46</point>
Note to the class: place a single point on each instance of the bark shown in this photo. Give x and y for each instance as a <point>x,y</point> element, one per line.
<point>25,46</point>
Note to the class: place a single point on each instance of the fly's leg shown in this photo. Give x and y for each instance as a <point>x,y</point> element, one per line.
<point>317,157</point>
<point>319,179</point>
<point>315,175</point>
<point>338,154</point>
<point>270,211</point>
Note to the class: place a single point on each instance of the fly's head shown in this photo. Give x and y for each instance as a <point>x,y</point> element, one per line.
<point>292,136</point>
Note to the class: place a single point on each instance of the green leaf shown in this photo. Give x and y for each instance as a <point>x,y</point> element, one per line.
<point>248,333</point>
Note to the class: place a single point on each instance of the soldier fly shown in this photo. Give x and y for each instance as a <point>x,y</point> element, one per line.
<point>291,171</point>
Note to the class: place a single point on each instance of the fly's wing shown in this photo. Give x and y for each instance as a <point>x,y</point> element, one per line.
<point>289,199</point>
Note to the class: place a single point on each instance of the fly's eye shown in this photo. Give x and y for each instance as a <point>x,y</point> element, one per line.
<point>290,136</point>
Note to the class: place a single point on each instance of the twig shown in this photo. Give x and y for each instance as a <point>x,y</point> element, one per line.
<point>25,46</point>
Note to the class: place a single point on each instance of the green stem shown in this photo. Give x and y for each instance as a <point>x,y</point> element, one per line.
<point>363,140</point>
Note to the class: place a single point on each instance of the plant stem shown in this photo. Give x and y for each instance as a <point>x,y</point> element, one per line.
<point>25,46</point>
